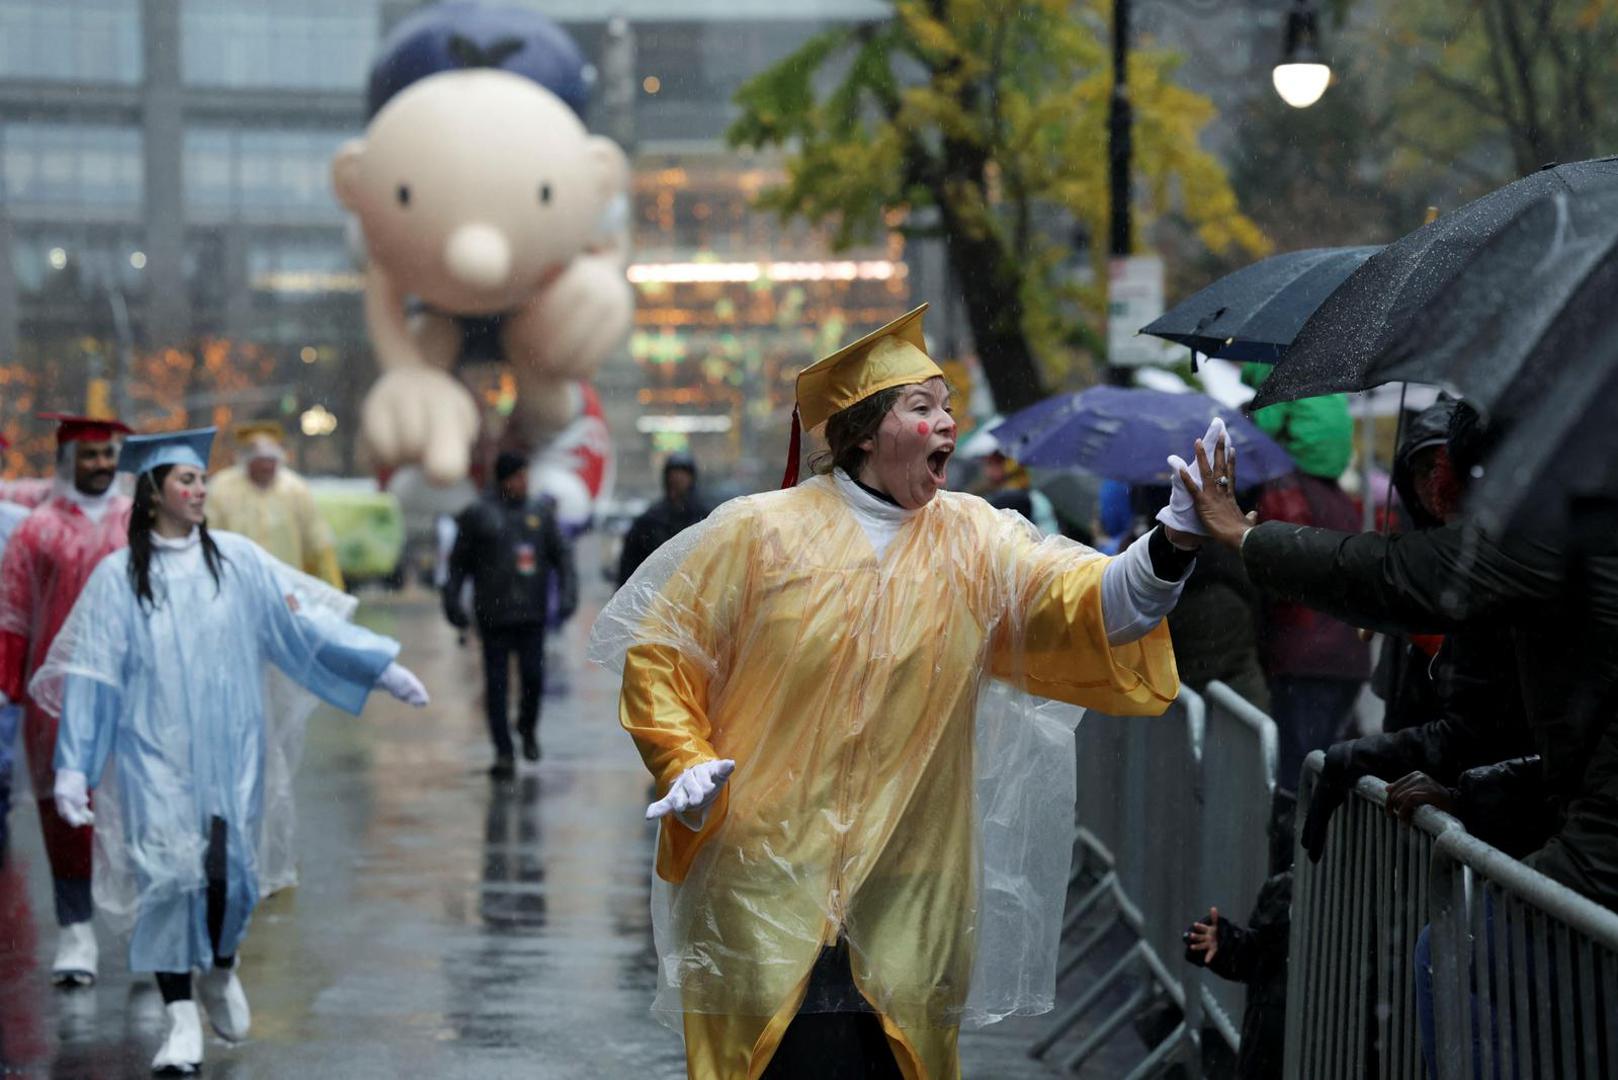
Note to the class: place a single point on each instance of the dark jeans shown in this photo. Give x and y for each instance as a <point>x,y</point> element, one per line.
<point>836,1034</point>
<point>528,644</point>
<point>1310,714</point>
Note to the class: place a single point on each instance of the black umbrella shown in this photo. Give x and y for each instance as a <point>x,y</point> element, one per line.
<point>1522,302</point>
<point>1254,313</point>
<point>1360,327</point>
<point>1558,441</point>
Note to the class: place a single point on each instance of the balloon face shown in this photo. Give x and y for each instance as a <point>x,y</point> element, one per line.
<point>475,188</point>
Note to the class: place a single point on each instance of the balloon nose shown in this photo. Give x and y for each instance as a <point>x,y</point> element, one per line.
<point>478,256</point>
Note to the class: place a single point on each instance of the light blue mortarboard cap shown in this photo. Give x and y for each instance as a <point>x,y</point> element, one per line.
<point>143,453</point>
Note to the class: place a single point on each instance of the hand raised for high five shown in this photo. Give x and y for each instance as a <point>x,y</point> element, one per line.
<point>1213,493</point>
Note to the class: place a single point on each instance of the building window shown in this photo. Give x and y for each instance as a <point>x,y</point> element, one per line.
<point>290,44</point>
<point>73,264</point>
<point>299,268</point>
<point>71,165</point>
<point>86,41</point>
<point>260,175</point>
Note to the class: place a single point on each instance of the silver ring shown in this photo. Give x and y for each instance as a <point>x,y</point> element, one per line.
<point>1222,481</point>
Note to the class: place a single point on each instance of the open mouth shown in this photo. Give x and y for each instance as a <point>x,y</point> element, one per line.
<point>938,461</point>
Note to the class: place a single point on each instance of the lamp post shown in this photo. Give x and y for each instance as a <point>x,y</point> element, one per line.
<point>1300,77</point>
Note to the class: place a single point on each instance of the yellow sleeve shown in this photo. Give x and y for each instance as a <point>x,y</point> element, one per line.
<point>1051,639</point>
<point>664,707</point>
<point>685,633</point>
<point>1058,649</point>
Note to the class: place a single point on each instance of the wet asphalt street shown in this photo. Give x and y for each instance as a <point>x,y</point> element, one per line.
<point>445,926</point>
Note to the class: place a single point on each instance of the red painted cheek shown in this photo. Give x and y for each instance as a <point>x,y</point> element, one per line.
<point>922,429</point>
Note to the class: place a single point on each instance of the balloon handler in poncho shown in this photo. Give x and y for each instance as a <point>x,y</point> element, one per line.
<point>864,837</point>
<point>159,672</point>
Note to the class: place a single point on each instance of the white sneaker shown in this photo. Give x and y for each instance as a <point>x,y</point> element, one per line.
<point>226,1001</point>
<point>181,1052</point>
<point>76,956</point>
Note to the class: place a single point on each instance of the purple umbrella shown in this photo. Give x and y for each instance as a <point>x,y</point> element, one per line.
<point>1127,435</point>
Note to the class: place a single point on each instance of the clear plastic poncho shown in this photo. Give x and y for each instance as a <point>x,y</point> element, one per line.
<point>897,783</point>
<point>47,561</point>
<point>173,696</point>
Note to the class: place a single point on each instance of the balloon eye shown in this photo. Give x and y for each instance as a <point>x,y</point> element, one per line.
<point>404,194</point>
<point>545,194</point>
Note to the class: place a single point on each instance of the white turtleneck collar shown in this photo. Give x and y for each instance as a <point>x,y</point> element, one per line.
<point>177,543</point>
<point>93,507</point>
<point>880,519</point>
<point>179,556</point>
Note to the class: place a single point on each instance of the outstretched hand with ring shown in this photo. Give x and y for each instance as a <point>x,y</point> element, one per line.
<point>1213,493</point>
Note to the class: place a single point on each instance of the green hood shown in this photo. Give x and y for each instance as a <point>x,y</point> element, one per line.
<point>1316,432</point>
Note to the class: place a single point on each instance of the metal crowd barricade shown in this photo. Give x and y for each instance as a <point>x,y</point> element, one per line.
<point>1525,970</point>
<point>1138,844</point>
<point>1238,786</point>
<point>1356,916</point>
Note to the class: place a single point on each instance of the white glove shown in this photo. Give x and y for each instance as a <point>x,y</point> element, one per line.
<point>402,683</point>
<point>1181,512</point>
<point>693,793</point>
<point>4,701</point>
<point>72,794</point>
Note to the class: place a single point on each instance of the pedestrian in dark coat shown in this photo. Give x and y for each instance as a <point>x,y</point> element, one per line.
<point>680,507</point>
<point>510,548</point>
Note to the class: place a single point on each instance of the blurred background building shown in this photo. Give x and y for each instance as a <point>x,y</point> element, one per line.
<point>172,248</point>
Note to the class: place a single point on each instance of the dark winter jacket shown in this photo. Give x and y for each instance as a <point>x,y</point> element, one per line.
<point>1561,617</point>
<point>1214,626</point>
<point>1411,668</point>
<point>510,552</point>
<point>660,523</point>
<point>1257,956</point>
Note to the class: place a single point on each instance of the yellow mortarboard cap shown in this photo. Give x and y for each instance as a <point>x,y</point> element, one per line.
<point>889,356</point>
<point>258,429</point>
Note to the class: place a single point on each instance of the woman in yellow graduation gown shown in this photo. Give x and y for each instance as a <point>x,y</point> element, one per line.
<point>868,811</point>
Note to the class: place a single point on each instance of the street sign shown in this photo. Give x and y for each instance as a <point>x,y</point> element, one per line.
<point>1134,298</point>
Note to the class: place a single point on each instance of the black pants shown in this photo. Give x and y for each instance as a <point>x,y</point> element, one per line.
<point>176,985</point>
<point>846,1044</point>
<point>528,643</point>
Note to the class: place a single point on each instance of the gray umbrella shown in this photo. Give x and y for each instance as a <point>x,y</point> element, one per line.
<point>1357,332</point>
<point>1254,313</point>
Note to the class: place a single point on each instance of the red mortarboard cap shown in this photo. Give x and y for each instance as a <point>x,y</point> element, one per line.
<point>71,428</point>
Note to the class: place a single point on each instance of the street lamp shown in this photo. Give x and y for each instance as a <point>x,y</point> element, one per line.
<point>1300,78</point>
<point>1302,75</point>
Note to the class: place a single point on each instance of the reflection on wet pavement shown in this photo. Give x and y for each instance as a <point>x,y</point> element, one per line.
<point>445,925</point>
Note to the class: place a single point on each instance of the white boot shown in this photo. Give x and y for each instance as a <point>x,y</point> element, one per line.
<point>76,956</point>
<point>226,1001</point>
<point>181,1053</point>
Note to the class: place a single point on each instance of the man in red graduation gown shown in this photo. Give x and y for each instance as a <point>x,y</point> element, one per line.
<point>46,564</point>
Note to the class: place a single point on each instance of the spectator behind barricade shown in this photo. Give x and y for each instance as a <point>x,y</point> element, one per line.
<point>1315,664</point>
<point>1557,609</point>
<point>1215,626</point>
<point>1005,484</point>
<point>1409,670</point>
<point>1256,956</point>
<point>681,506</point>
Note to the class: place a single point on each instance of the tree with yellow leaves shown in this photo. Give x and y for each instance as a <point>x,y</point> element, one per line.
<point>993,114</point>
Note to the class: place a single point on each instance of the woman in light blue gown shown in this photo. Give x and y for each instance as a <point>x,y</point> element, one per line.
<point>159,669</point>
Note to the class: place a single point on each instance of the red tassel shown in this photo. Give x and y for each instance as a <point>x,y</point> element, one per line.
<point>793,452</point>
